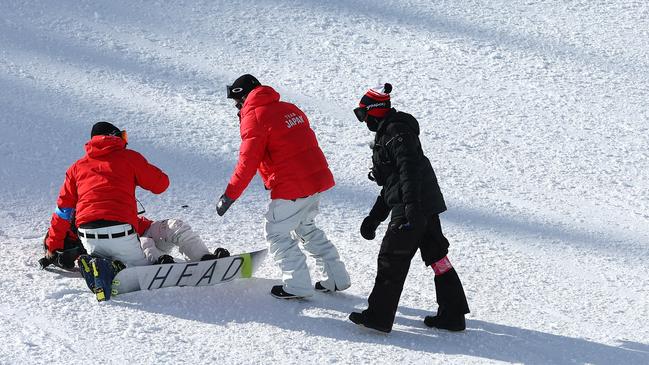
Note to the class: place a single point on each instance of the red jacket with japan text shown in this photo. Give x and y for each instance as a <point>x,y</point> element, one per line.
<point>277,141</point>
<point>101,186</point>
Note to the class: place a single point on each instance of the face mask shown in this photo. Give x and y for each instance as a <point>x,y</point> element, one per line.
<point>372,123</point>
<point>238,104</point>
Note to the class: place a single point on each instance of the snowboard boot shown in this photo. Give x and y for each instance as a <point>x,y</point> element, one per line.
<point>83,262</point>
<point>220,252</point>
<point>452,302</point>
<point>104,271</point>
<point>446,320</point>
<point>165,259</point>
<point>322,289</point>
<point>362,320</point>
<point>278,292</point>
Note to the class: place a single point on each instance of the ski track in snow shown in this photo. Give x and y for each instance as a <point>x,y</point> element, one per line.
<point>534,116</point>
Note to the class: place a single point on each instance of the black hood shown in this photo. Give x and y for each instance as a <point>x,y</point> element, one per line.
<point>395,116</point>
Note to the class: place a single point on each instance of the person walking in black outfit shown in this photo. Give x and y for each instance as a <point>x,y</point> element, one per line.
<point>411,194</point>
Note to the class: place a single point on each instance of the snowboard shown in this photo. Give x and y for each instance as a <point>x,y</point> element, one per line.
<point>199,273</point>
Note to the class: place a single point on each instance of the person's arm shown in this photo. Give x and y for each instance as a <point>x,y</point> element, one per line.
<point>404,149</point>
<point>63,214</point>
<point>143,224</point>
<point>254,138</point>
<point>380,210</point>
<point>148,176</point>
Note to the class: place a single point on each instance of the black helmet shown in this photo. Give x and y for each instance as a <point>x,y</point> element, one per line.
<point>104,128</point>
<point>242,86</point>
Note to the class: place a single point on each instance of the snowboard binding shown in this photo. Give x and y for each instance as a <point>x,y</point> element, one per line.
<point>99,273</point>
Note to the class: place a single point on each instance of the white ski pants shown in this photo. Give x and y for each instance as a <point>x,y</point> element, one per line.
<point>288,223</point>
<point>125,248</point>
<point>163,235</point>
<point>158,240</point>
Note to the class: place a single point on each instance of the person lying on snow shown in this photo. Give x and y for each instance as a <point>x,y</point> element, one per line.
<point>98,199</point>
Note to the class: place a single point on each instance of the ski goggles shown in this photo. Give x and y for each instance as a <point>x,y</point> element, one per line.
<point>233,92</point>
<point>361,113</point>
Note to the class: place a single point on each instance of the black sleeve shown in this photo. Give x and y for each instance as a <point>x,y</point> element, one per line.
<point>380,210</point>
<point>405,151</point>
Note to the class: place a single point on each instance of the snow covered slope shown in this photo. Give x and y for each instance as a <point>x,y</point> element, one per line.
<point>534,115</point>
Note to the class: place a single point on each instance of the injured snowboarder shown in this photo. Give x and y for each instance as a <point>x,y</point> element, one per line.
<point>156,243</point>
<point>98,199</point>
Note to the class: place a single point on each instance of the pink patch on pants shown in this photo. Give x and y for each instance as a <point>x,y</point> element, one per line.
<point>442,266</point>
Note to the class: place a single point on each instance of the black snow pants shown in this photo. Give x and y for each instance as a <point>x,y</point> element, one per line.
<point>397,250</point>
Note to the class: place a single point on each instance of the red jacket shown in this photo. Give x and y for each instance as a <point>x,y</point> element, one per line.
<point>101,186</point>
<point>276,139</point>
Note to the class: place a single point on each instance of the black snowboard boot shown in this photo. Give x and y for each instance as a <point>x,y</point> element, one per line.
<point>278,292</point>
<point>220,252</point>
<point>165,259</point>
<point>322,289</point>
<point>452,303</point>
<point>446,320</point>
<point>362,320</point>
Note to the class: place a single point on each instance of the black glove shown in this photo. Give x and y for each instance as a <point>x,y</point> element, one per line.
<point>67,258</point>
<point>368,227</point>
<point>221,252</point>
<point>414,216</point>
<point>223,204</point>
<point>165,259</point>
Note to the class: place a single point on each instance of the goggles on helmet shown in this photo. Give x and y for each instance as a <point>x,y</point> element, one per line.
<point>233,92</point>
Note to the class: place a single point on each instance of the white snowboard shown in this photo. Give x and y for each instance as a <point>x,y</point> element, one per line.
<point>201,273</point>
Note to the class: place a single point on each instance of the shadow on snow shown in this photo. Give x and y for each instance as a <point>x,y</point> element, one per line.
<point>249,301</point>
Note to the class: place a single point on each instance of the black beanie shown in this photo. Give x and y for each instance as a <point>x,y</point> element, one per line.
<point>104,129</point>
<point>242,86</point>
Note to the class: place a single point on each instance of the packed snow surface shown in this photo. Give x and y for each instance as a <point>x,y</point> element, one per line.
<point>534,115</point>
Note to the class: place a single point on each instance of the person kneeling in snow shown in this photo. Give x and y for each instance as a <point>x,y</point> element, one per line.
<point>156,242</point>
<point>98,198</point>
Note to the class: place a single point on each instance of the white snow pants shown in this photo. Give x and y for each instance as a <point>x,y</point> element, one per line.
<point>287,223</point>
<point>163,235</point>
<point>125,248</point>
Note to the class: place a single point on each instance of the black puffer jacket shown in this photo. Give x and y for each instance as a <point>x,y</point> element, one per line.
<point>400,167</point>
